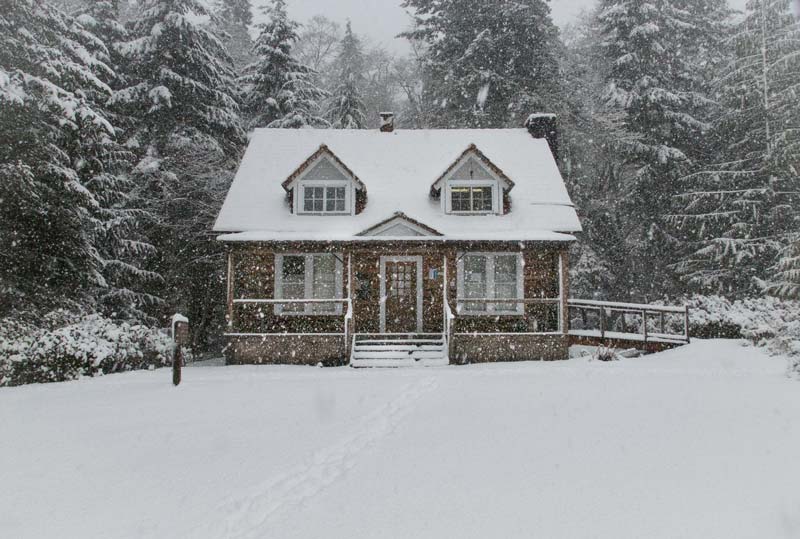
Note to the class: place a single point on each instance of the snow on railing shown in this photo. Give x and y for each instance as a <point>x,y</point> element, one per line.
<point>645,312</point>
<point>348,315</point>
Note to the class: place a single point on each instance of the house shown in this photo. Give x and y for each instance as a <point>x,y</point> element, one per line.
<point>391,247</point>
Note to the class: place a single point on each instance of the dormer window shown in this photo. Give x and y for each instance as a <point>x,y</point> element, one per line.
<point>470,198</point>
<point>323,185</point>
<point>472,185</point>
<point>324,198</point>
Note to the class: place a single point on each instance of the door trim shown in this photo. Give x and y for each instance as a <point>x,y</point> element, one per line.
<point>384,260</point>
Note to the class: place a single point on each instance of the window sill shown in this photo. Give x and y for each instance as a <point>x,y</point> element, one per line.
<point>309,313</point>
<point>321,213</point>
<point>509,314</point>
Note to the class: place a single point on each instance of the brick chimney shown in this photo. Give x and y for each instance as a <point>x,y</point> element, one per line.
<point>544,125</point>
<point>387,122</point>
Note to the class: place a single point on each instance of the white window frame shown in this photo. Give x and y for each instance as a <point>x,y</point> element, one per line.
<point>471,183</point>
<point>308,309</point>
<point>348,196</point>
<point>491,309</point>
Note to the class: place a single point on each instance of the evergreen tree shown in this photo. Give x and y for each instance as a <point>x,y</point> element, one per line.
<point>181,93</point>
<point>487,63</point>
<point>234,18</point>
<point>346,107</point>
<point>101,17</point>
<point>786,282</point>
<point>655,53</point>
<point>51,211</point>
<point>741,206</point>
<point>104,167</point>
<point>181,77</point>
<point>280,91</point>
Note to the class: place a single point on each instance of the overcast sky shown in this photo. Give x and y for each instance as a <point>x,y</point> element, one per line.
<point>381,20</point>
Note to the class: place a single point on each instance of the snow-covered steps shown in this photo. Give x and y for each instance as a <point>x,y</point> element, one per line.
<point>398,350</point>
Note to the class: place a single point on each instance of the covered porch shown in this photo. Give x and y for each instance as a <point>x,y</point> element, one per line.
<point>396,302</point>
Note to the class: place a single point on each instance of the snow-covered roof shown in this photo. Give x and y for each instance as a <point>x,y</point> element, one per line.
<point>397,169</point>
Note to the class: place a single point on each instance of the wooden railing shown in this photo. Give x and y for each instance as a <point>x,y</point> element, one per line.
<point>646,314</point>
<point>348,313</point>
<point>460,302</point>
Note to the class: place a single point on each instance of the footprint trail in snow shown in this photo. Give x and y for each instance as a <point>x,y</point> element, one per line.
<point>251,515</point>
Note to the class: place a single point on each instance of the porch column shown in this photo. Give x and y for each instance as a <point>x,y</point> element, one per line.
<point>563,286</point>
<point>230,290</point>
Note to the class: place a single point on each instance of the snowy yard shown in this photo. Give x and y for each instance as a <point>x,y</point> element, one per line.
<point>697,442</point>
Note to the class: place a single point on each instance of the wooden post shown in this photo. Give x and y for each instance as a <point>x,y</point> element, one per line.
<point>602,322</point>
<point>644,324</point>
<point>686,323</point>
<point>177,361</point>
<point>230,292</point>
<point>663,324</point>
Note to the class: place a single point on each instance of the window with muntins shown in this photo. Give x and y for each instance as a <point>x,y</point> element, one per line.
<point>308,276</point>
<point>468,199</point>
<point>324,199</point>
<point>486,276</point>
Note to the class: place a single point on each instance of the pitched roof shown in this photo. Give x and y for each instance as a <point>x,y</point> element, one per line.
<point>402,218</point>
<point>398,168</point>
<point>473,150</point>
<point>322,150</point>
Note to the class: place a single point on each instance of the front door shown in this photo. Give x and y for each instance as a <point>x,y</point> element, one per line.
<point>401,287</point>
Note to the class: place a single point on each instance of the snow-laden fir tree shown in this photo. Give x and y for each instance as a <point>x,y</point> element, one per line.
<point>58,161</point>
<point>346,109</point>
<point>101,17</point>
<point>656,54</point>
<point>786,281</point>
<point>182,95</point>
<point>234,18</point>
<point>182,77</point>
<point>488,63</point>
<point>279,91</point>
<point>741,205</point>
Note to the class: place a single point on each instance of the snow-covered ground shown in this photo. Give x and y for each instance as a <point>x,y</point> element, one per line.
<point>702,441</point>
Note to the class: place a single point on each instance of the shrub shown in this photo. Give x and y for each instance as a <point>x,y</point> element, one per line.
<point>61,347</point>
<point>768,322</point>
<point>603,353</point>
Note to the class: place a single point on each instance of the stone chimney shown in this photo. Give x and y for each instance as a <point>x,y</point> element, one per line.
<point>387,122</point>
<point>543,125</point>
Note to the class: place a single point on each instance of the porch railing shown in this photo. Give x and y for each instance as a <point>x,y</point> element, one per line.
<point>347,317</point>
<point>645,317</point>
<point>460,302</point>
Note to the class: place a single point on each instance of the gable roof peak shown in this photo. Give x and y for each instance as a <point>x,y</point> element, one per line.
<point>472,150</point>
<point>323,150</point>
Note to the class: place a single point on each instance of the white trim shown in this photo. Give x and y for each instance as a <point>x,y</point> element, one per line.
<point>382,277</point>
<point>349,196</point>
<point>448,198</point>
<point>472,154</point>
<point>308,283</point>
<point>505,334</point>
<point>325,155</point>
<point>394,221</point>
<point>282,334</point>
<point>518,309</point>
<point>299,184</point>
<point>561,298</point>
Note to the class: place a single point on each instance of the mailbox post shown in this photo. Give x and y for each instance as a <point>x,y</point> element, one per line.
<point>180,336</point>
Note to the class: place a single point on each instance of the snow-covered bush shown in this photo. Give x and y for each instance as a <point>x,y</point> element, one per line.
<point>60,347</point>
<point>603,353</point>
<point>769,322</point>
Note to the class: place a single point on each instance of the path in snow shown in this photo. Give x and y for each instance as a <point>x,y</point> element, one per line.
<point>250,515</point>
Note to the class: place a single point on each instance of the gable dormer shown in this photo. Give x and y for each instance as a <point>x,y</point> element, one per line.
<point>324,185</point>
<point>399,225</point>
<point>473,185</point>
